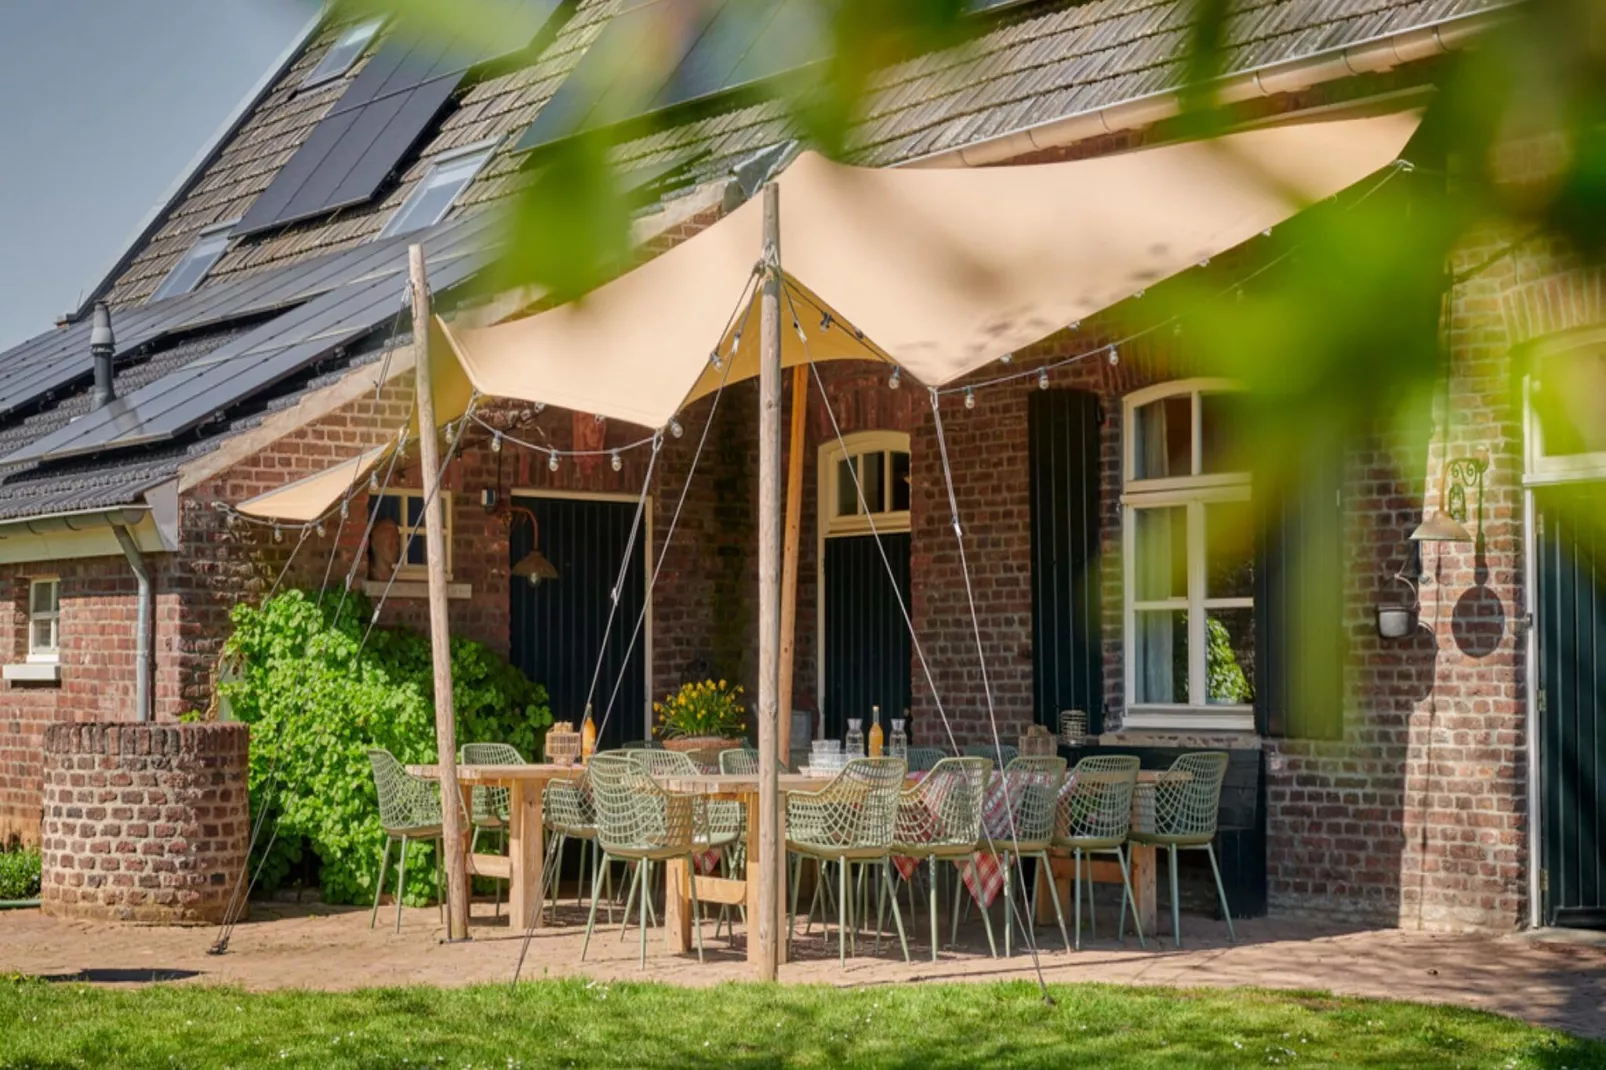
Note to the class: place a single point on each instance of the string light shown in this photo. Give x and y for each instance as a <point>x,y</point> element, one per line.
<point>318,527</point>
<point>1205,262</point>
<point>1076,326</point>
<point>616,461</point>
<point>1115,357</point>
<point>675,428</point>
<point>798,327</point>
<point>373,482</point>
<point>825,321</point>
<point>1006,358</point>
<point>896,380</point>
<point>597,416</point>
<point>345,510</point>
<point>278,533</point>
<point>496,442</point>
<point>713,358</point>
<point>970,398</point>
<point>1139,295</point>
<point>1042,379</point>
<point>552,462</point>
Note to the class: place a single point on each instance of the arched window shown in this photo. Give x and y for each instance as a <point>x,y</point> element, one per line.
<point>880,459</point>
<point>1188,549</point>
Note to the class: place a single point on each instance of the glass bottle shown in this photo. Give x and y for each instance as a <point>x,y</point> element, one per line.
<point>854,743</point>
<point>898,745</point>
<point>588,737</point>
<point>877,739</point>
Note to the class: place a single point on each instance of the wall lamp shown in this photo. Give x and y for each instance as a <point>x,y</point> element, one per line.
<point>1449,522</point>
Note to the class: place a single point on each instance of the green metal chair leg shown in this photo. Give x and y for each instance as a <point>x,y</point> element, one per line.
<point>897,915</point>
<point>1054,894</point>
<point>696,910</point>
<point>1176,904</point>
<point>591,923</point>
<point>646,894</point>
<point>1092,905</point>
<point>379,885</point>
<point>842,914</point>
<point>791,918</point>
<point>630,901</point>
<point>1128,897</point>
<point>1009,908</point>
<point>931,895</point>
<point>401,882</point>
<point>953,916</point>
<point>440,897</point>
<point>1221,890</point>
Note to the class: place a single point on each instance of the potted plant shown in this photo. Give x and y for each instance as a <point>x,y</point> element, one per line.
<point>703,714</point>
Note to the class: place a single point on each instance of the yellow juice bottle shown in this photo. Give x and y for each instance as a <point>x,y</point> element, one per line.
<point>876,738</point>
<point>588,737</point>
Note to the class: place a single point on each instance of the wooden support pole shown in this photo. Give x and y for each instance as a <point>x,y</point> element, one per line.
<point>794,532</point>
<point>769,594</point>
<point>454,842</point>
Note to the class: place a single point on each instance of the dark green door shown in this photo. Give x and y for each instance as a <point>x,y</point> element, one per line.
<point>557,627</point>
<point>1572,707</point>
<point>866,641</point>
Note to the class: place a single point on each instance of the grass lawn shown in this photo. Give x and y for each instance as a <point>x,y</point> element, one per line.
<point>576,1023</point>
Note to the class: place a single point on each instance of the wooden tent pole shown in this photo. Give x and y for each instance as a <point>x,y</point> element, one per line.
<point>794,532</point>
<point>439,633</point>
<point>769,591</point>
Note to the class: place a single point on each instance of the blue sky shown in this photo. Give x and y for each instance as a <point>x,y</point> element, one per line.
<point>103,105</point>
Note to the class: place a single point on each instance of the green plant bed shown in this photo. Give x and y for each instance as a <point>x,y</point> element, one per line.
<point>317,698</point>
<point>19,874</point>
<point>582,1023</point>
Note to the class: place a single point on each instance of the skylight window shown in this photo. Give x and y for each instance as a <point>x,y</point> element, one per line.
<point>194,264</point>
<point>434,196</point>
<point>343,53</point>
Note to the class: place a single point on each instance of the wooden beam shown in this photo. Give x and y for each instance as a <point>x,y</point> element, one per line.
<point>794,532</point>
<point>452,831</point>
<point>769,591</point>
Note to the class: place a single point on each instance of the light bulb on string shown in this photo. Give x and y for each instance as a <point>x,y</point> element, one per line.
<point>319,529</point>
<point>1006,358</point>
<point>278,533</point>
<point>1205,262</point>
<point>1176,329</point>
<point>896,380</point>
<point>1076,325</point>
<point>713,358</point>
<point>675,428</point>
<point>552,462</point>
<point>1115,357</point>
<point>825,321</point>
<point>970,398</point>
<point>1238,293</point>
<point>1042,379</point>
<point>616,461</point>
<point>496,442</point>
<point>1139,294</point>
<point>373,482</point>
<point>345,510</point>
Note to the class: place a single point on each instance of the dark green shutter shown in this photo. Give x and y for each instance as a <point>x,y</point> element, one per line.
<point>1067,662</point>
<point>1299,601</point>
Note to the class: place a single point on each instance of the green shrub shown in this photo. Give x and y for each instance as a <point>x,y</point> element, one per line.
<point>19,874</point>
<point>317,699</point>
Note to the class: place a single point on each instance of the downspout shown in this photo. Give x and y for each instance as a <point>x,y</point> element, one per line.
<point>1285,76</point>
<point>143,628</point>
<point>1531,691</point>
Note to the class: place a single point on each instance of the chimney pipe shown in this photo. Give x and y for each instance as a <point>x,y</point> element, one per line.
<point>101,347</point>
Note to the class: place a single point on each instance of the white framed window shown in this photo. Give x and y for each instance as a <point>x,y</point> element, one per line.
<point>880,460</point>
<point>405,509</point>
<point>44,619</point>
<point>192,267</point>
<point>438,190</point>
<point>343,53</point>
<point>1566,410</point>
<point>1188,555</point>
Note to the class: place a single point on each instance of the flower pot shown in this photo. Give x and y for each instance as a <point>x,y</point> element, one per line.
<point>691,743</point>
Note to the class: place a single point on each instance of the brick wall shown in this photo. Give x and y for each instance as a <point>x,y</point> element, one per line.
<point>144,823</point>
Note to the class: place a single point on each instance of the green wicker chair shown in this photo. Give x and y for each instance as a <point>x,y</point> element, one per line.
<point>409,809</point>
<point>924,759</point>
<point>738,761</point>
<point>1032,786</point>
<point>1187,800</point>
<point>1095,816</point>
<point>940,819</point>
<point>488,806</point>
<point>638,821</point>
<point>567,813</point>
<point>849,820</point>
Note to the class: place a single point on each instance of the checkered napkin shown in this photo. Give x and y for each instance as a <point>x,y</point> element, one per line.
<point>983,872</point>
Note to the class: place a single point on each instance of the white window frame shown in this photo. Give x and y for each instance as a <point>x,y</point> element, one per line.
<point>204,237</point>
<point>1541,469</point>
<point>861,445</point>
<point>360,35</point>
<point>406,572</point>
<point>1194,492</point>
<point>444,162</point>
<point>52,653</point>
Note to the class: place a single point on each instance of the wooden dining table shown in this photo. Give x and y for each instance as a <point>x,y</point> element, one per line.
<point>523,865</point>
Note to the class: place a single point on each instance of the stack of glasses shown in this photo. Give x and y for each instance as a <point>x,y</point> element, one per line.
<point>826,758</point>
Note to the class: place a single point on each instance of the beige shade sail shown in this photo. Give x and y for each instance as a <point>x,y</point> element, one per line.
<point>939,270</point>
<point>311,497</point>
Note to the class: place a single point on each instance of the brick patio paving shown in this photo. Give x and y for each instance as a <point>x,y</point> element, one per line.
<point>1558,984</point>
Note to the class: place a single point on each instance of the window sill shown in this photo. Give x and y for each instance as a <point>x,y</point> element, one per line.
<point>33,672</point>
<point>1191,718</point>
<point>412,589</point>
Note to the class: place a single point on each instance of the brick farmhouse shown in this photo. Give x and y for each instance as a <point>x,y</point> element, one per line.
<point>1413,795</point>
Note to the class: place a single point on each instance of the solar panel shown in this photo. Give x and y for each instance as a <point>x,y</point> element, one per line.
<point>707,49</point>
<point>286,345</point>
<point>392,101</point>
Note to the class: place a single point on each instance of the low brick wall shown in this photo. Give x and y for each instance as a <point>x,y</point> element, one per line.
<point>145,823</point>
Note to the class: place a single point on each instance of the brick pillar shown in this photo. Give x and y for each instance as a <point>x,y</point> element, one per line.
<point>145,823</point>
